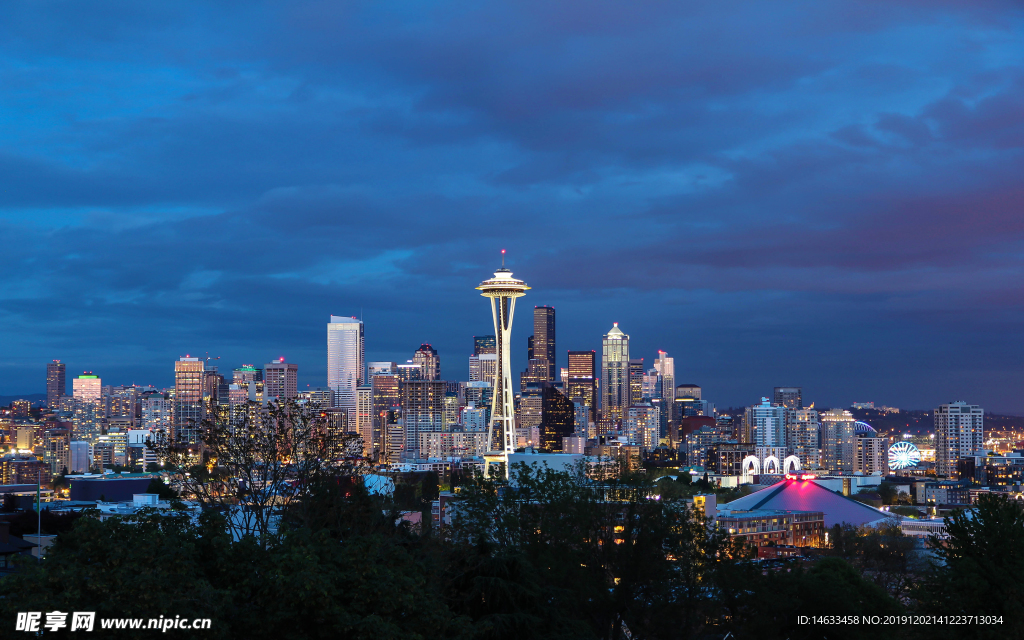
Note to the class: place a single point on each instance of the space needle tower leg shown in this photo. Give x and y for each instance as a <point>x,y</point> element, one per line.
<point>503,290</point>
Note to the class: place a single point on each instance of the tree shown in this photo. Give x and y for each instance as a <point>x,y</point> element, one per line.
<point>157,486</point>
<point>137,566</point>
<point>831,587</point>
<point>251,469</point>
<point>981,568</point>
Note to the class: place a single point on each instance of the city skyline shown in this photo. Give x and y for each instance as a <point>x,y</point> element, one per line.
<point>462,368</point>
<point>835,200</point>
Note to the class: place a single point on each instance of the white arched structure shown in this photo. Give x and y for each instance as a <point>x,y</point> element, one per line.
<point>751,466</point>
<point>771,466</point>
<point>790,463</point>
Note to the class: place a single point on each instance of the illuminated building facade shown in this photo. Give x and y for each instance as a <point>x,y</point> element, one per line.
<point>838,445</point>
<point>189,376</point>
<point>614,374</point>
<point>428,361</point>
<point>56,384</point>
<point>544,342</point>
<point>346,357</point>
<point>281,380</point>
<point>959,432</point>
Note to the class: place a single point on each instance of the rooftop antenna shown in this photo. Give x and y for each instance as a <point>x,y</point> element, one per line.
<point>502,258</point>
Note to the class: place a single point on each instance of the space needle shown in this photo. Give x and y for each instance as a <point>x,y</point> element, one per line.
<point>503,290</point>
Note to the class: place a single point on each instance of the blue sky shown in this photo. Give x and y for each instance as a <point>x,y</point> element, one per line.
<point>825,194</point>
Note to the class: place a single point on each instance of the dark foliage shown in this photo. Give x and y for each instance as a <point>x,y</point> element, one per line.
<point>553,556</point>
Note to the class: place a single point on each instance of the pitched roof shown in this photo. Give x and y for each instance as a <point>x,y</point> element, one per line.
<point>807,495</point>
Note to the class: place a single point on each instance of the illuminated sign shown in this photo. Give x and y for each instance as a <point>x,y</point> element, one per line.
<point>800,476</point>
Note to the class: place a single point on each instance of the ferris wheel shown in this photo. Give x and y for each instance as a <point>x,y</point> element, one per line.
<point>902,455</point>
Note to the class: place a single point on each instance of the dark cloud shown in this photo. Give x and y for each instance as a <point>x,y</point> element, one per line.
<point>817,193</point>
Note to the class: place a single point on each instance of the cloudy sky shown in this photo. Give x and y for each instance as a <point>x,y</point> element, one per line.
<point>826,194</point>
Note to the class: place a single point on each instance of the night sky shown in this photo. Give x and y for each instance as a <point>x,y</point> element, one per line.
<point>826,194</point>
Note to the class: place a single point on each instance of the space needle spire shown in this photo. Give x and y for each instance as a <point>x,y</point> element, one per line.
<point>503,290</point>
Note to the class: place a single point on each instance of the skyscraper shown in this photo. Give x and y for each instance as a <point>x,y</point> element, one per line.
<point>364,418</point>
<point>87,387</point>
<point>581,385</point>
<point>614,374</point>
<point>346,355</point>
<point>558,418</point>
<point>482,367</point>
<point>544,340</point>
<point>802,429</point>
<point>666,368</point>
<point>281,380</point>
<point>380,369</point>
<point>636,381</point>
<point>428,361</point>
<point>959,432</point>
<point>643,425</point>
<point>387,406</point>
<point>789,397</point>
<point>764,425</point>
<point>484,344</point>
<point>838,447</point>
<point>422,411</point>
<point>56,384</point>
<point>189,376</point>
<point>503,290</point>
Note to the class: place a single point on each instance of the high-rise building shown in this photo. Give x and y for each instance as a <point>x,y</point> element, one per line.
<point>687,404</point>
<point>56,385</point>
<point>246,373</point>
<point>157,412</point>
<point>214,388</point>
<point>281,380</point>
<point>90,413</point>
<point>123,401</point>
<point>666,368</point>
<point>387,406</point>
<point>189,411</point>
<point>380,369</point>
<point>87,387</point>
<point>581,385</point>
<point>764,424</point>
<point>480,394</point>
<point>636,381</point>
<point>557,418</point>
<point>789,397</point>
<point>838,445</point>
<point>536,372</point>
<point>802,429</point>
<point>428,361</point>
<point>81,456</point>
<point>614,374</point>
<point>482,367</point>
<point>959,432</point>
<point>452,410</point>
<point>484,344</point>
<point>529,413</point>
<point>544,341</point>
<point>870,456</point>
<point>57,449</point>
<point>364,418</point>
<point>691,391</point>
<point>346,355</point>
<point>642,425</point>
<point>503,290</point>
<point>651,385</point>
<point>422,411</point>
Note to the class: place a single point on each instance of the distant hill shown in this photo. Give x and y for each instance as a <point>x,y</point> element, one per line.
<point>37,399</point>
<point>914,421</point>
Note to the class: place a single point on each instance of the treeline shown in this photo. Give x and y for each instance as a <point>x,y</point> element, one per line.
<point>553,556</point>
